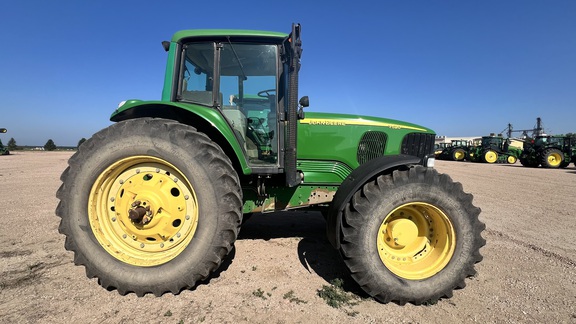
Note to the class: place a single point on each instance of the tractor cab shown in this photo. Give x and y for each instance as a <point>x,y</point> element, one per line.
<point>463,143</point>
<point>492,142</point>
<point>240,78</point>
<point>251,79</point>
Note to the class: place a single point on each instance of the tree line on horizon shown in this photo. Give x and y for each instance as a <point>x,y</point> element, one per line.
<point>49,146</point>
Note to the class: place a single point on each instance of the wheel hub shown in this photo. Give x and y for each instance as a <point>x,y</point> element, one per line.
<point>554,159</point>
<point>139,213</point>
<point>143,211</point>
<point>402,232</point>
<point>416,240</point>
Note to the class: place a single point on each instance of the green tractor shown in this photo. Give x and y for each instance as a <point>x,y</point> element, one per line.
<point>494,149</point>
<point>548,151</point>
<point>3,149</point>
<point>154,202</point>
<point>456,151</point>
<point>439,147</point>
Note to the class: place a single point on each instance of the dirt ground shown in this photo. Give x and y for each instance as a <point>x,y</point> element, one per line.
<point>282,260</point>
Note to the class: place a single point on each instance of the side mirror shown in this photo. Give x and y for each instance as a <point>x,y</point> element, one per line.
<point>166,45</point>
<point>304,102</point>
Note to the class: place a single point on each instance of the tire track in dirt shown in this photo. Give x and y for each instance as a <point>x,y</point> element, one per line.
<point>533,247</point>
<point>24,274</point>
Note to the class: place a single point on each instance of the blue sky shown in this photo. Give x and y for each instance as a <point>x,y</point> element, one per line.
<point>462,68</point>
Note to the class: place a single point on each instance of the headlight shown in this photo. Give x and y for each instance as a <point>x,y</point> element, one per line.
<point>121,104</point>
<point>430,162</point>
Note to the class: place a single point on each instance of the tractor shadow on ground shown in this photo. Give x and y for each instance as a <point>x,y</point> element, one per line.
<point>315,253</point>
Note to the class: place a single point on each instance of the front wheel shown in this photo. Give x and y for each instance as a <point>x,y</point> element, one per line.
<point>411,236</point>
<point>490,156</point>
<point>149,206</point>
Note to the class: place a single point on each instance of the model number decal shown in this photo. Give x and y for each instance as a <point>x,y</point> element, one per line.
<point>331,122</point>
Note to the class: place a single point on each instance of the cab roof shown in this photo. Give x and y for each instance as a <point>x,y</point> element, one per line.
<point>205,33</point>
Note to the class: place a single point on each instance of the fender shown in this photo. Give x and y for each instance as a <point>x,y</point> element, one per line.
<point>354,181</point>
<point>187,114</point>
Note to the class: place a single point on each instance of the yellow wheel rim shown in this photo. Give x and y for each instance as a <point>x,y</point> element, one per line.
<point>491,156</point>
<point>511,159</point>
<point>459,155</point>
<point>416,241</point>
<point>554,159</point>
<point>156,189</point>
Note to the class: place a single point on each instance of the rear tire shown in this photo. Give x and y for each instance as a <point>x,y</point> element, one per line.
<point>528,163</point>
<point>178,174</point>
<point>552,158</point>
<point>458,155</point>
<point>411,236</point>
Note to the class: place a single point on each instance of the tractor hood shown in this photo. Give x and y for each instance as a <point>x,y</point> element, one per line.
<point>354,139</point>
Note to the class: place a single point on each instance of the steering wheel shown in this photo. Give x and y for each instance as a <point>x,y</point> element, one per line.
<point>267,93</point>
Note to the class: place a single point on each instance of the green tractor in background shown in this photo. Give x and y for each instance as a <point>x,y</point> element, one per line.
<point>154,202</point>
<point>494,149</point>
<point>456,151</point>
<point>3,149</point>
<point>549,152</point>
<point>439,147</point>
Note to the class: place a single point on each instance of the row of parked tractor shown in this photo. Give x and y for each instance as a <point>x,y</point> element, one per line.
<point>546,151</point>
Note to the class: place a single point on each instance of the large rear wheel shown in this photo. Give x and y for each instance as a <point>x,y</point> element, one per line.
<point>411,236</point>
<point>149,206</point>
<point>458,154</point>
<point>529,162</point>
<point>552,158</point>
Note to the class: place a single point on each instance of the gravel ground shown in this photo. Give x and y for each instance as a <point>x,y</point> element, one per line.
<point>282,260</point>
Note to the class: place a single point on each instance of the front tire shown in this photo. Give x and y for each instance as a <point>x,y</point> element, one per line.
<point>490,156</point>
<point>149,206</point>
<point>411,236</point>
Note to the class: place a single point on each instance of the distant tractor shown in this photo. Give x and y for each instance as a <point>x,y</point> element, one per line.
<point>548,151</point>
<point>154,202</point>
<point>456,151</point>
<point>3,149</point>
<point>439,147</point>
<point>494,149</point>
